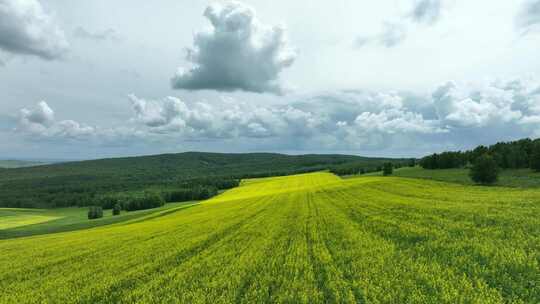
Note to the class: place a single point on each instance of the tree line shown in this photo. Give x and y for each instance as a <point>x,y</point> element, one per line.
<point>519,154</point>
<point>356,169</point>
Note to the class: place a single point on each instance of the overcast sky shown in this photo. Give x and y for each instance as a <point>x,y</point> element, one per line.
<point>89,79</point>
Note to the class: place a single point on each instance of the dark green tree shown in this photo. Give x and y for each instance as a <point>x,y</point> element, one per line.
<point>107,202</point>
<point>95,212</point>
<point>388,169</point>
<point>116,209</point>
<point>484,170</point>
<point>535,157</point>
<point>478,152</point>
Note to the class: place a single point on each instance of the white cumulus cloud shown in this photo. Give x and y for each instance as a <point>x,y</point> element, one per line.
<point>490,104</point>
<point>40,122</point>
<point>238,53</point>
<point>26,29</point>
<point>453,115</point>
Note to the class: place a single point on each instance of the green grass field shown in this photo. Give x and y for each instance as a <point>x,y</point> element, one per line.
<point>522,178</point>
<point>311,238</point>
<point>18,222</point>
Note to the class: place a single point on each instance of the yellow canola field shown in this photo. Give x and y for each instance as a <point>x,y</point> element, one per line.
<point>310,238</point>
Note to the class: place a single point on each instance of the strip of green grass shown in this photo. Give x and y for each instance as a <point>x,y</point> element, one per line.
<point>26,222</point>
<point>522,178</point>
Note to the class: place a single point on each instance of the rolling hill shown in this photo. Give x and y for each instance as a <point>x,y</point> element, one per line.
<point>10,163</point>
<point>309,238</point>
<point>78,183</point>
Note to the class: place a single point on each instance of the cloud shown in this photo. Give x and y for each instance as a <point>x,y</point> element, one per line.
<point>380,121</point>
<point>392,35</point>
<point>349,118</point>
<point>496,103</point>
<point>40,122</point>
<point>426,11</point>
<point>239,53</point>
<point>528,18</point>
<point>396,121</point>
<point>451,116</point>
<point>42,115</point>
<point>171,115</point>
<point>26,29</point>
<point>155,114</point>
<point>108,34</point>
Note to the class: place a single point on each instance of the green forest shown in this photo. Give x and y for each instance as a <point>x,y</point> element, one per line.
<point>519,154</point>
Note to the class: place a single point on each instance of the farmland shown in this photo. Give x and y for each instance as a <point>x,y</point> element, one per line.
<point>310,238</point>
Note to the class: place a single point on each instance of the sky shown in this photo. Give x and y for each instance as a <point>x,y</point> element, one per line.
<point>92,79</point>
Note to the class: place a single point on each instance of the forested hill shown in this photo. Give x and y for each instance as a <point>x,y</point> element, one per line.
<point>78,183</point>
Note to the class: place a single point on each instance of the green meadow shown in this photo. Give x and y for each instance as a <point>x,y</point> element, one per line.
<point>520,178</point>
<point>310,238</point>
<point>19,222</point>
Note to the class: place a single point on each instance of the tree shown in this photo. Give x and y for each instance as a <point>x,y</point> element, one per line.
<point>535,157</point>
<point>116,209</point>
<point>95,212</point>
<point>148,200</point>
<point>477,152</point>
<point>388,169</point>
<point>484,170</point>
<point>412,162</point>
<point>430,162</point>
<point>107,202</point>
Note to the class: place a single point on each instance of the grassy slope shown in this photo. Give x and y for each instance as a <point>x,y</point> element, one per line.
<point>16,222</point>
<point>508,178</point>
<point>310,238</point>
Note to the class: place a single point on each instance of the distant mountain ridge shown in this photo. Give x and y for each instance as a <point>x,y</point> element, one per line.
<point>13,163</point>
